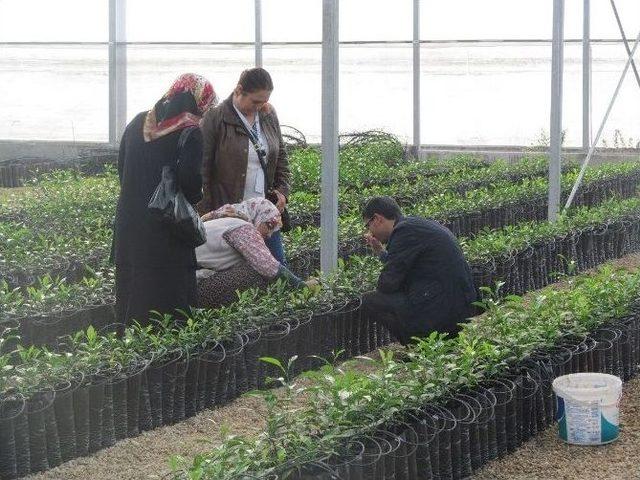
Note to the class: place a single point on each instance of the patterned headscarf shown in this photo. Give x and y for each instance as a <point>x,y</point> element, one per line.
<point>180,106</point>
<point>254,210</point>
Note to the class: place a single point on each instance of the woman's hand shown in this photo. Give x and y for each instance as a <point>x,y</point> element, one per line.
<point>282,201</point>
<point>208,216</point>
<point>313,284</point>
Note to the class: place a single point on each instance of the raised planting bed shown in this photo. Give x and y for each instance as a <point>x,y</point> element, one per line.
<point>451,405</point>
<point>177,371</point>
<point>414,182</point>
<point>520,258</point>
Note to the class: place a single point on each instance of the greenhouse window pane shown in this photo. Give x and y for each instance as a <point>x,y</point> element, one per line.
<point>193,21</point>
<point>375,88</point>
<point>296,74</point>
<point>64,92</point>
<point>487,19</point>
<point>487,94</point>
<point>608,62</point>
<point>54,21</point>
<point>603,20</point>
<point>291,21</point>
<point>151,69</point>
<point>376,20</point>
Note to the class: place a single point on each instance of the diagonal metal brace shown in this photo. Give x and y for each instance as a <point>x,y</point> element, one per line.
<point>626,42</point>
<point>576,185</point>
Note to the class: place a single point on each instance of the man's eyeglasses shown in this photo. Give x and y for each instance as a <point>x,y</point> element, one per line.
<point>366,225</point>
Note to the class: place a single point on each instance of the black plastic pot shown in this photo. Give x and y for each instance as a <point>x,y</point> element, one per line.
<point>11,408</point>
<point>441,453</point>
<point>426,430</point>
<point>191,384</point>
<point>406,456</point>
<point>369,465</point>
<point>179,396</point>
<point>271,345</point>
<point>65,416</point>
<point>317,470</point>
<point>502,391</point>
<point>145,421</point>
<point>390,452</point>
<point>345,462</point>
<point>482,401</point>
<point>38,407</point>
<point>290,344</point>
<point>324,335</point>
<point>303,342</point>
<point>605,352</point>
<point>230,372</point>
<point>161,382</point>
<point>251,355</point>
<point>350,318</point>
<point>125,394</point>
<point>100,411</point>
<point>208,374</point>
<point>171,369</point>
<point>460,438</point>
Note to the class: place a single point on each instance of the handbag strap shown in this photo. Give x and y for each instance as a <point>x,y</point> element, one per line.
<point>182,141</point>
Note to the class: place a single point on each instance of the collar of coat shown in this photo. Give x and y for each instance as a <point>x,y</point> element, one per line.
<point>230,116</point>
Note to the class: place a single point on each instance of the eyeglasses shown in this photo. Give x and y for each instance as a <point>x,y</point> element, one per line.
<point>366,225</point>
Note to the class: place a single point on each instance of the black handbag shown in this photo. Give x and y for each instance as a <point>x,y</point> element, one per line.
<point>170,205</point>
<point>271,194</point>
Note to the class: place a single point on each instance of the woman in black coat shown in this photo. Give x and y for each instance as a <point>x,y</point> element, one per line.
<point>155,271</point>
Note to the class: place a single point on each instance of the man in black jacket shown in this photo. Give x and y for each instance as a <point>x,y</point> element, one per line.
<point>425,284</point>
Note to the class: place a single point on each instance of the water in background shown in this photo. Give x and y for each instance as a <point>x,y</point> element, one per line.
<point>491,94</point>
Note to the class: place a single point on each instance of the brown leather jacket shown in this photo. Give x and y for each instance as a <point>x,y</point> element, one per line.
<point>225,155</point>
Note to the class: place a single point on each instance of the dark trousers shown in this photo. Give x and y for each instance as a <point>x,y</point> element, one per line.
<point>405,321</point>
<point>392,310</point>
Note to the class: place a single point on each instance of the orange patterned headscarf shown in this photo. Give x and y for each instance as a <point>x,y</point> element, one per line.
<point>175,110</point>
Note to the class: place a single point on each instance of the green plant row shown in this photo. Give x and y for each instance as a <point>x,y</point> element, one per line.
<point>447,206</point>
<point>66,218</point>
<point>56,295</point>
<point>414,180</point>
<point>88,351</point>
<point>490,244</point>
<point>255,308</point>
<point>341,404</point>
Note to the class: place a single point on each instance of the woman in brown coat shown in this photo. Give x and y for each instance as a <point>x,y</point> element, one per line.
<point>232,171</point>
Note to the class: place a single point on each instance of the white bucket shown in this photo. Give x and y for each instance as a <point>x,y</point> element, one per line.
<point>588,411</point>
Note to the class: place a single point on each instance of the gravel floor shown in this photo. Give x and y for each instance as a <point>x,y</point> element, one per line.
<point>545,457</point>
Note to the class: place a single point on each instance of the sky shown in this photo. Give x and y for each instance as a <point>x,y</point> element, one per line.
<point>301,20</point>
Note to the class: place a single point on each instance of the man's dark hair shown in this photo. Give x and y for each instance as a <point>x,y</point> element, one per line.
<point>385,206</point>
<point>255,79</point>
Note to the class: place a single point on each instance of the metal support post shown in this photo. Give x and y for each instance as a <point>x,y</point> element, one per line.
<point>117,70</point>
<point>586,76</point>
<point>416,77</point>
<point>258,33</point>
<point>604,121</point>
<point>555,150</point>
<point>330,146</point>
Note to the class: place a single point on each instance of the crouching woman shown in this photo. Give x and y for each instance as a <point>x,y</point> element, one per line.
<point>235,256</point>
